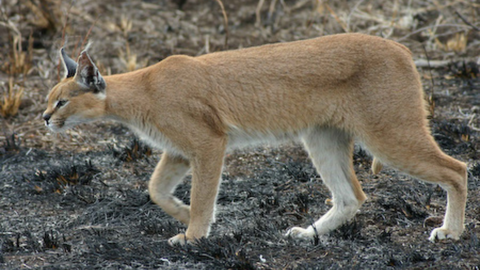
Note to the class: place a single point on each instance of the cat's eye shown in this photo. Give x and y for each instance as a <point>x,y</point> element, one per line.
<point>61,103</point>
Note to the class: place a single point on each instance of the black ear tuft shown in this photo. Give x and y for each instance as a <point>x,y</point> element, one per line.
<point>69,65</point>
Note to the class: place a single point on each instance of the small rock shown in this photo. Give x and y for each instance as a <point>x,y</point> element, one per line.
<point>433,221</point>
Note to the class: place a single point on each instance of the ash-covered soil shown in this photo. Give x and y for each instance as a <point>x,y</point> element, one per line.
<point>79,200</point>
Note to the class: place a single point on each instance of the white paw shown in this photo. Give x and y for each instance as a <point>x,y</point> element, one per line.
<point>179,239</point>
<point>443,233</point>
<point>302,233</point>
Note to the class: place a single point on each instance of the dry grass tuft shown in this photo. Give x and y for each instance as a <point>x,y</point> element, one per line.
<point>457,43</point>
<point>127,58</point>
<point>225,22</point>
<point>12,97</point>
<point>47,14</point>
<point>19,61</point>
<point>125,25</point>
<point>58,178</point>
<point>134,151</point>
<point>11,143</point>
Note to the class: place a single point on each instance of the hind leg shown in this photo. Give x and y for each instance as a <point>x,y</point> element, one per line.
<point>331,153</point>
<point>421,157</point>
<point>167,175</point>
<point>452,177</point>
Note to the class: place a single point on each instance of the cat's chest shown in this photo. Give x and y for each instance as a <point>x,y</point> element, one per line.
<point>154,138</point>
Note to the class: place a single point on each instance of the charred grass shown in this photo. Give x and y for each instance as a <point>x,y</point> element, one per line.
<point>79,200</point>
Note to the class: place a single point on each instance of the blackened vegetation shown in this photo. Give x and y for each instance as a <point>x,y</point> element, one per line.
<point>349,231</point>
<point>19,242</point>
<point>90,211</point>
<point>223,253</point>
<point>464,76</point>
<point>11,145</point>
<point>400,207</point>
<point>61,176</point>
<point>475,171</point>
<point>50,240</point>
<point>465,70</point>
<point>455,138</point>
<point>71,208</point>
<point>131,152</point>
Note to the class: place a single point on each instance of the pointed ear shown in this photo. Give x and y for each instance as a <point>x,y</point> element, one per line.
<point>69,65</point>
<point>87,74</point>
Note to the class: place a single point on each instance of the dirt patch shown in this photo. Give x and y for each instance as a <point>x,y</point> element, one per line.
<point>79,200</point>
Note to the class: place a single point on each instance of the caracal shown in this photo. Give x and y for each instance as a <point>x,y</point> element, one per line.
<point>326,92</point>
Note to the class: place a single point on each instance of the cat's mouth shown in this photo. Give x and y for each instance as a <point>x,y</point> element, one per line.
<point>60,124</point>
<point>57,125</point>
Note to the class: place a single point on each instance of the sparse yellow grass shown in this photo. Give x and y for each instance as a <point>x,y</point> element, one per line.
<point>457,43</point>
<point>47,13</point>
<point>19,61</point>
<point>128,59</point>
<point>12,97</point>
<point>125,25</point>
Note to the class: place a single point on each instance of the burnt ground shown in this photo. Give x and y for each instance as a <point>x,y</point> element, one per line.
<point>79,200</point>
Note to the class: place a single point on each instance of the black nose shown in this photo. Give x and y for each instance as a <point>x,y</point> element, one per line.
<point>46,117</point>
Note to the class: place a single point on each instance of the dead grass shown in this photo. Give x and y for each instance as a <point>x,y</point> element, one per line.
<point>125,34</point>
<point>132,35</point>
<point>56,180</point>
<point>148,32</point>
<point>126,56</point>
<point>19,61</point>
<point>457,43</point>
<point>129,59</point>
<point>18,64</point>
<point>12,97</point>
<point>225,23</point>
<point>47,14</point>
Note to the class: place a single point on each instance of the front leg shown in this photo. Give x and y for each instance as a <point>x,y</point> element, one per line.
<point>167,175</point>
<point>206,173</point>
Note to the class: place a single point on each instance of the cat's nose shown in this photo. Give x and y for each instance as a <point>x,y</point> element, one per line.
<point>46,117</point>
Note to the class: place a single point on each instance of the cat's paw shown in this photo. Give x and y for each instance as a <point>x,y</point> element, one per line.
<point>179,239</point>
<point>444,233</point>
<point>298,232</point>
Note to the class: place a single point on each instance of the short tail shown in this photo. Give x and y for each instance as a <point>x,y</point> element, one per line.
<point>376,166</point>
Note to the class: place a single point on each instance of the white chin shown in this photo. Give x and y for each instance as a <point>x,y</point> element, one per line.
<point>56,128</point>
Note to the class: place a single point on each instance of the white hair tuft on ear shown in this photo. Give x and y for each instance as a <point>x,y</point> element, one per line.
<point>88,45</point>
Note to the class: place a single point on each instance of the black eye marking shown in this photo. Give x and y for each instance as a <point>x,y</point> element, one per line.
<point>61,103</point>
